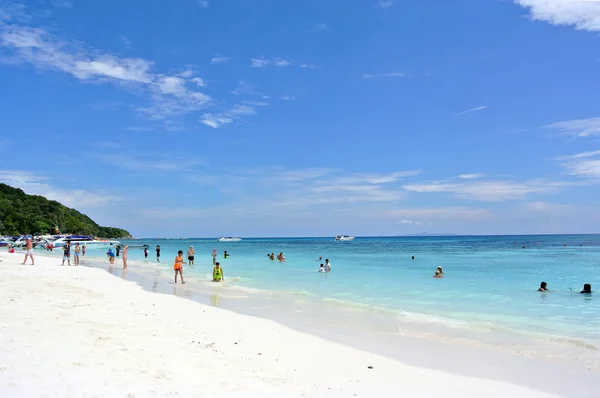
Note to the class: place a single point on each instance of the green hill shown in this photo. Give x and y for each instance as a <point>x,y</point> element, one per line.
<point>32,214</point>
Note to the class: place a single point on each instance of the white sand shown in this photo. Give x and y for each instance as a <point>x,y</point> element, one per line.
<point>81,332</point>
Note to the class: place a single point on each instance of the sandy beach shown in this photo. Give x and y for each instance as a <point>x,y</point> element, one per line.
<point>82,332</point>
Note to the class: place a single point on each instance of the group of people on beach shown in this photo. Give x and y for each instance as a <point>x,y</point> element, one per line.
<point>218,274</point>
<point>113,251</point>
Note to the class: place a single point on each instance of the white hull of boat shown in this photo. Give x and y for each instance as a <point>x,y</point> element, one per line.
<point>229,239</point>
<point>344,238</point>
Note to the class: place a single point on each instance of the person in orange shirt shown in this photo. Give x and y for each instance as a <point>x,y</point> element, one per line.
<point>178,267</point>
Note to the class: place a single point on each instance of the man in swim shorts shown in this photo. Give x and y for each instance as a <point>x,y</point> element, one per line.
<point>218,275</point>
<point>191,252</point>
<point>28,252</point>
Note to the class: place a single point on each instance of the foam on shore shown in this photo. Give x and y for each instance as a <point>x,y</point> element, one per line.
<point>79,331</point>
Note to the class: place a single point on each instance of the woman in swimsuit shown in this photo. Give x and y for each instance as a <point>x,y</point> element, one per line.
<point>125,253</point>
<point>178,267</point>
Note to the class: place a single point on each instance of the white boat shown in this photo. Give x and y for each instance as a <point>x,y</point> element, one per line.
<point>82,239</point>
<point>344,238</point>
<point>229,239</point>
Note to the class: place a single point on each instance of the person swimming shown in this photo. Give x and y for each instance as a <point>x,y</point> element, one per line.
<point>543,287</point>
<point>280,257</point>
<point>438,275</point>
<point>218,275</point>
<point>587,289</point>
<point>225,254</point>
<point>322,268</point>
<point>440,270</point>
<point>412,258</point>
<point>272,256</point>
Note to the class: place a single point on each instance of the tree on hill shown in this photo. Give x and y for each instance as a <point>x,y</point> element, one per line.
<point>33,214</point>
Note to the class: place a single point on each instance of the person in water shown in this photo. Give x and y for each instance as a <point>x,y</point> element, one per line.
<point>322,268</point>
<point>145,252</point>
<point>327,265</point>
<point>83,249</point>
<point>191,252</point>
<point>178,266</point>
<point>280,257</point>
<point>218,275</point>
<point>225,254</point>
<point>412,258</point>
<point>272,256</point>
<point>587,289</point>
<point>438,275</point>
<point>214,254</point>
<point>158,253</point>
<point>118,250</point>
<point>76,252</point>
<point>543,287</point>
<point>440,270</point>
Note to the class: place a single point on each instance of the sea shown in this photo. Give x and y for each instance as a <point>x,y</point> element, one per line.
<point>487,299</point>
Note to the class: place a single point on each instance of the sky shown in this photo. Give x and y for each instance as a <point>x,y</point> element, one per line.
<point>248,118</point>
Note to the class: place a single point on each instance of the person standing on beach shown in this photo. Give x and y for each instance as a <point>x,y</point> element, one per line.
<point>125,253</point>
<point>190,254</point>
<point>118,250</point>
<point>145,252</point>
<point>76,251</point>
<point>111,254</point>
<point>66,253</point>
<point>214,253</point>
<point>158,253</point>
<point>83,248</point>
<point>178,266</point>
<point>28,252</point>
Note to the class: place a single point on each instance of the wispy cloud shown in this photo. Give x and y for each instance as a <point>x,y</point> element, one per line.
<point>476,109</point>
<point>203,3</point>
<point>489,190</point>
<point>442,213</point>
<point>147,163</point>
<point>35,184</point>
<point>319,27</point>
<point>578,127</point>
<point>288,97</point>
<point>391,74</point>
<point>261,62</point>
<point>410,222</point>
<point>385,3</point>
<point>220,59</point>
<point>234,114</point>
<point>582,14</point>
<point>472,176</point>
<point>584,164</point>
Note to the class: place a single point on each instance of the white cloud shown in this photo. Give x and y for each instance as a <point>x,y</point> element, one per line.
<point>288,97</point>
<point>472,176</point>
<point>150,162</point>
<point>230,116</point>
<point>587,154</point>
<point>489,190</point>
<point>34,184</point>
<point>582,14</point>
<point>391,74</point>
<point>199,82</point>
<point>255,103</point>
<point>281,62</point>
<point>220,60</point>
<point>259,62</point>
<point>410,222</point>
<point>203,3</point>
<point>578,128</point>
<point>172,85</point>
<point>583,167</point>
<point>476,109</point>
<point>385,3</point>
<point>308,66</point>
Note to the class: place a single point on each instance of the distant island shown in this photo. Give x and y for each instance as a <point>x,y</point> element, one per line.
<point>32,214</point>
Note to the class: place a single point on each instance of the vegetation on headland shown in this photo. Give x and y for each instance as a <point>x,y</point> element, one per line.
<point>32,214</point>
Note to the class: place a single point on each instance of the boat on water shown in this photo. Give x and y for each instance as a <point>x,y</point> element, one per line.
<point>84,239</point>
<point>344,238</point>
<point>229,239</point>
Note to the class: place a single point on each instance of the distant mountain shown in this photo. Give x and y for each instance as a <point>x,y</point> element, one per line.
<point>32,214</point>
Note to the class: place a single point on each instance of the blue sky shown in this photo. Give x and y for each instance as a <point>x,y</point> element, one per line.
<point>314,117</point>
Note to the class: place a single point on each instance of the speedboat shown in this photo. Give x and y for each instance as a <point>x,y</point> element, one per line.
<point>229,239</point>
<point>344,238</point>
<point>84,240</point>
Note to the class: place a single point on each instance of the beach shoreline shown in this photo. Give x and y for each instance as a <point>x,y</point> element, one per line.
<point>90,315</point>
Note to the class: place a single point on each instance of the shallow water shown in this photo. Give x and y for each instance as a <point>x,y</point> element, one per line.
<point>487,298</point>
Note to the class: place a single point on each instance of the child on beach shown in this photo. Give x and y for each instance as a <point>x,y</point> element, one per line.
<point>178,266</point>
<point>76,252</point>
<point>218,275</point>
<point>191,252</point>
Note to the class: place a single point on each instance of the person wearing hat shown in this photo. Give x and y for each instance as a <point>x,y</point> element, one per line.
<point>190,254</point>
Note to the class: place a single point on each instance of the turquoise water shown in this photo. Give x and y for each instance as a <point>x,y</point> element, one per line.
<point>490,282</point>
